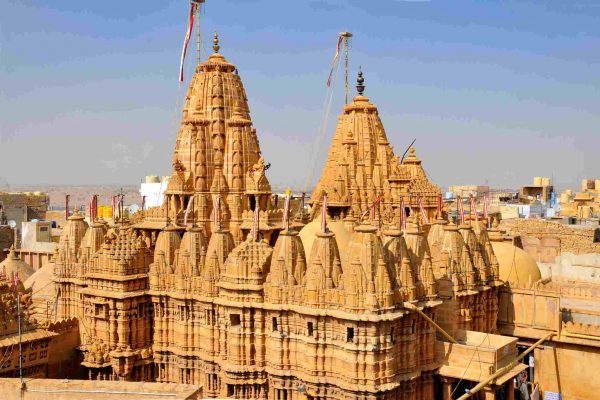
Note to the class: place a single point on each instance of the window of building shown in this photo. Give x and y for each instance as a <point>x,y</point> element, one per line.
<point>230,390</point>
<point>274,324</point>
<point>392,335</point>
<point>349,335</point>
<point>310,329</point>
<point>235,319</point>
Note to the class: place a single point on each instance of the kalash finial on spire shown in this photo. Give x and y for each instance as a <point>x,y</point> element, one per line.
<point>216,46</point>
<point>360,82</point>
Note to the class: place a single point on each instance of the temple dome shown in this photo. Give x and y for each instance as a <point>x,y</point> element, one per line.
<point>14,264</point>
<point>516,265</point>
<point>309,231</point>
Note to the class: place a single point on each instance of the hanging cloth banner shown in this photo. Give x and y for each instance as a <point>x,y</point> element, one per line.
<point>217,213</point>
<point>461,210</point>
<point>423,213</point>
<point>403,214</point>
<point>485,206</point>
<point>255,224</point>
<point>92,209</point>
<point>474,209</point>
<point>335,58</point>
<point>324,215</point>
<point>186,41</point>
<point>286,210</point>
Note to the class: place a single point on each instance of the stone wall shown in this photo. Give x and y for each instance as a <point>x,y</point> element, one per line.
<point>573,239</point>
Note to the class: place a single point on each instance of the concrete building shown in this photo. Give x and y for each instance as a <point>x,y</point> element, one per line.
<point>541,190</point>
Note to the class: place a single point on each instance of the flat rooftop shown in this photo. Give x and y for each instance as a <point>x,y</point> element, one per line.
<point>59,389</point>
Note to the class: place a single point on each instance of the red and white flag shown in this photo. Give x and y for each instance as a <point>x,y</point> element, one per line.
<point>186,41</point>
<point>423,213</point>
<point>286,211</point>
<point>324,215</point>
<point>335,58</point>
<point>255,224</point>
<point>217,213</point>
<point>402,214</point>
<point>474,209</point>
<point>485,206</point>
<point>461,210</point>
<point>93,207</point>
<point>187,209</point>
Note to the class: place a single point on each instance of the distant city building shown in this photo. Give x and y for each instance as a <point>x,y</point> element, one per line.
<point>541,191</point>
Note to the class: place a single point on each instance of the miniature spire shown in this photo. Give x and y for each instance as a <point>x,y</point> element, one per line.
<point>360,87</point>
<point>216,46</point>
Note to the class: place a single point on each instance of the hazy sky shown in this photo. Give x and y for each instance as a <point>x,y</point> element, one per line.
<point>496,91</point>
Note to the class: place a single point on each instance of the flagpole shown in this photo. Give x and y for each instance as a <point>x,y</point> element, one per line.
<point>198,4</point>
<point>346,36</point>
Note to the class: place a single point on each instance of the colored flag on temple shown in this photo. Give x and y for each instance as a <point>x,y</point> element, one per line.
<point>112,207</point>
<point>255,224</point>
<point>402,214</point>
<point>15,280</point>
<point>461,210</point>
<point>474,209</point>
<point>188,34</point>
<point>324,215</point>
<point>335,58</point>
<point>66,206</point>
<point>423,213</point>
<point>485,206</point>
<point>439,206</point>
<point>286,210</point>
<point>143,203</point>
<point>187,209</point>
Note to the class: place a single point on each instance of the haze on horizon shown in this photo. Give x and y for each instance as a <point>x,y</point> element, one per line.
<point>492,91</point>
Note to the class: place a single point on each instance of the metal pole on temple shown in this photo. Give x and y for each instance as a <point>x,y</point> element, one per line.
<point>198,4</point>
<point>67,206</point>
<point>346,36</point>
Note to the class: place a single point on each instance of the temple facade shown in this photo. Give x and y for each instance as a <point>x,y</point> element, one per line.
<point>222,287</point>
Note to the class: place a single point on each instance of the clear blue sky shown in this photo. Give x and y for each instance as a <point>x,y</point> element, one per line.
<point>496,91</point>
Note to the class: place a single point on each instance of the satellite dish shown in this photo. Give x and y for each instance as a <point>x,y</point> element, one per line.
<point>12,223</point>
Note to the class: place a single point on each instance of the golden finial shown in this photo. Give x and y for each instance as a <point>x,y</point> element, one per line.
<point>216,46</point>
<point>360,82</point>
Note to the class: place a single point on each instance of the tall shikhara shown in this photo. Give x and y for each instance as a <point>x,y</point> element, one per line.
<point>217,153</point>
<point>361,167</point>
